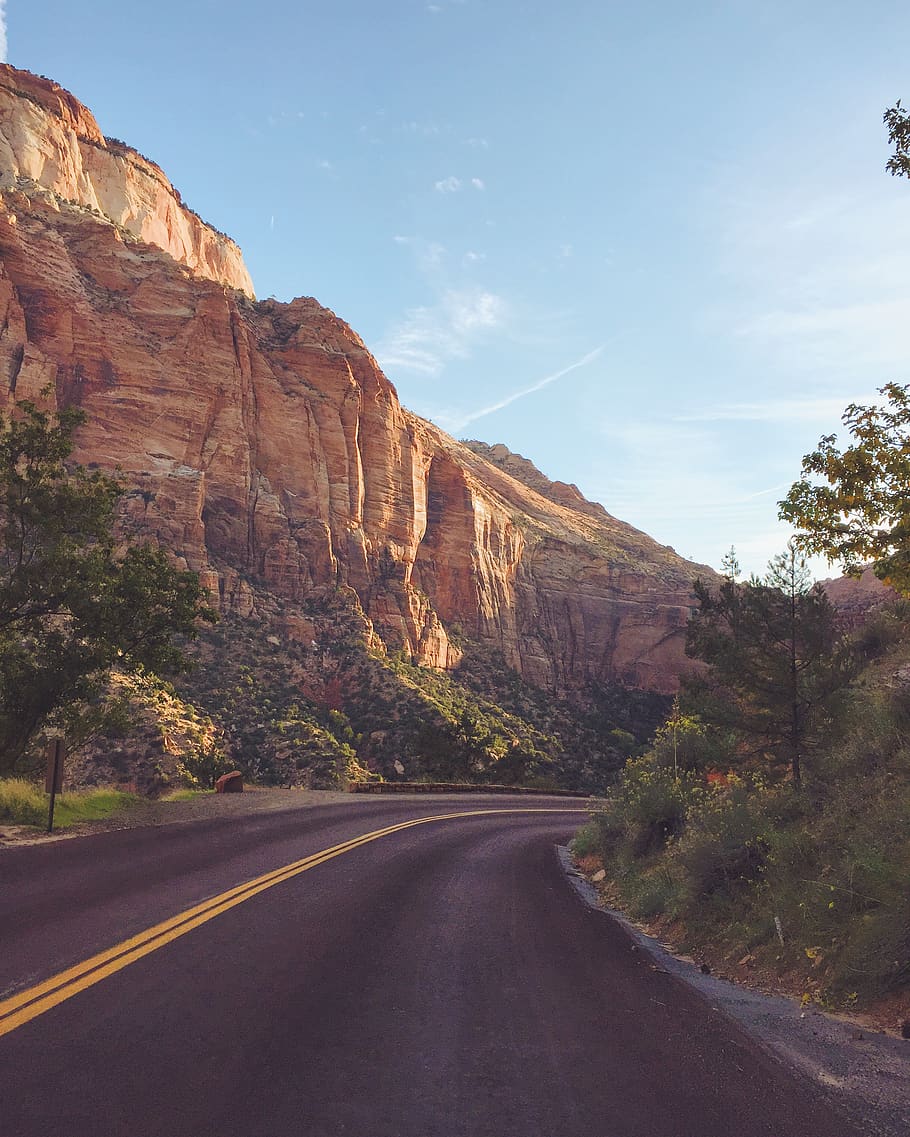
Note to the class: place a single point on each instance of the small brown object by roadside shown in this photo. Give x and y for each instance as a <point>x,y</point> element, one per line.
<point>230,783</point>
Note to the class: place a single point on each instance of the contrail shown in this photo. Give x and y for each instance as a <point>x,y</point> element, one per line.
<point>538,386</point>
<point>2,31</point>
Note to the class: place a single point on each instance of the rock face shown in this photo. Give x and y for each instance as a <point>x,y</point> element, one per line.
<point>261,442</point>
<point>856,598</point>
<point>51,146</point>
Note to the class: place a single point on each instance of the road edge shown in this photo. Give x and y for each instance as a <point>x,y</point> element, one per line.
<point>866,1072</point>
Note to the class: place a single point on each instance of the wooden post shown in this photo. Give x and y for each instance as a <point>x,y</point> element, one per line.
<point>53,782</point>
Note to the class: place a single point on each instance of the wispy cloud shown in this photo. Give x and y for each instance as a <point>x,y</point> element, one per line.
<point>430,256</point>
<point>818,274</point>
<point>429,336</point>
<point>3,43</point>
<point>424,129</point>
<point>458,422</point>
<point>827,407</point>
<point>453,184</point>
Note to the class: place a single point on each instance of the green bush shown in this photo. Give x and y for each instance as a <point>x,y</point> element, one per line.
<point>587,841</point>
<point>651,805</point>
<point>655,892</point>
<point>725,842</point>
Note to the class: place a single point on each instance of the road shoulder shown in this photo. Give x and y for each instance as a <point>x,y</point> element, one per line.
<point>867,1071</point>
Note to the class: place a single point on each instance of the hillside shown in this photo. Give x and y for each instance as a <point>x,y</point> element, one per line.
<point>262,445</point>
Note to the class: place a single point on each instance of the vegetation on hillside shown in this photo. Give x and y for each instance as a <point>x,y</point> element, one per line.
<point>708,831</point>
<point>73,602</point>
<point>333,709</point>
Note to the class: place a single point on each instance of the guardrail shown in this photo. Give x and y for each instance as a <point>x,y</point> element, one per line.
<point>450,788</point>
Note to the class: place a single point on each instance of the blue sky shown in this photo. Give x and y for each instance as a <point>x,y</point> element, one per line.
<point>650,246</point>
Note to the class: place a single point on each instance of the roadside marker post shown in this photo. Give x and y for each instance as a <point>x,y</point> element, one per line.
<point>53,781</point>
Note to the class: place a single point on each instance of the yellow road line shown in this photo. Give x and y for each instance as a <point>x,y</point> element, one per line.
<point>29,1004</point>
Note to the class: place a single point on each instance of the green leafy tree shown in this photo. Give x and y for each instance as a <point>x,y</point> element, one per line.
<point>853,505</point>
<point>72,603</point>
<point>774,661</point>
<point>897,121</point>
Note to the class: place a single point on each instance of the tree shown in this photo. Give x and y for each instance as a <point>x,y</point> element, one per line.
<point>897,121</point>
<point>774,667</point>
<point>853,506</point>
<point>72,603</point>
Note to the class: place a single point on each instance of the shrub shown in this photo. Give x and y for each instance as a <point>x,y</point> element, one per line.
<point>725,842</point>
<point>22,802</point>
<point>653,805</point>
<point>587,841</point>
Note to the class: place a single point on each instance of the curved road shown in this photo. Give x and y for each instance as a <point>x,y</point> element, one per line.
<point>442,980</point>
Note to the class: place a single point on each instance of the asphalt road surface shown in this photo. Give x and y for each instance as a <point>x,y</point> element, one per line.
<point>441,980</point>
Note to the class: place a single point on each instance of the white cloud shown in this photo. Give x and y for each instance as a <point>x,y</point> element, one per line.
<point>478,183</point>
<point>4,47</point>
<point>478,143</point>
<point>458,422</point>
<point>429,336</point>
<point>448,185</point>
<point>472,258</point>
<point>821,409</point>
<point>426,129</point>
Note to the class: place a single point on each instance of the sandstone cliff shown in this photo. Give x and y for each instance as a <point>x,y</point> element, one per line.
<point>265,447</point>
<point>51,147</point>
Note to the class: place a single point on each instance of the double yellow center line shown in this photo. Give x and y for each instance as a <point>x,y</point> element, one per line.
<point>29,1004</point>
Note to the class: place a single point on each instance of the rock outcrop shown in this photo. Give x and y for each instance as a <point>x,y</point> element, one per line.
<point>51,147</point>
<point>262,443</point>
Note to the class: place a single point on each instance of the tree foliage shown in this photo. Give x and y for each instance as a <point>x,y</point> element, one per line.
<point>72,603</point>
<point>897,121</point>
<point>774,667</point>
<point>853,505</point>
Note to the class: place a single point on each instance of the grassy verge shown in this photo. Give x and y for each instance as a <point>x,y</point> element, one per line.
<point>187,795</point>
<point>24,803</point>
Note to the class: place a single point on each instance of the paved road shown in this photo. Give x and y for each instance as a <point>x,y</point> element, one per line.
<point>440,981</point>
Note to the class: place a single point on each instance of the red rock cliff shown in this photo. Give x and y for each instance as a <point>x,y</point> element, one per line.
<point>262,441</point>
<point>51,146</point>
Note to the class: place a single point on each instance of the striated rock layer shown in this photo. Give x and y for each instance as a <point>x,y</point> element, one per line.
<point>263,444</point>
<point>51,146</point>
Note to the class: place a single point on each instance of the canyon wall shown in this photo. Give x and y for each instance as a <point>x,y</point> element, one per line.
<point>262,444</point>
<point>51,147</point>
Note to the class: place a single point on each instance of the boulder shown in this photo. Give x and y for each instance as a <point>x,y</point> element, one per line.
<point>230,783</point>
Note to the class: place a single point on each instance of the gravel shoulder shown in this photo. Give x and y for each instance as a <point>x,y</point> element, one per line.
<point>202,808</point>
<point>866,1069</point>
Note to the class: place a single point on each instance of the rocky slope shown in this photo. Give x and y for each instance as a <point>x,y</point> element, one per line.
<point>264,446</point>
<point>52,148</point>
